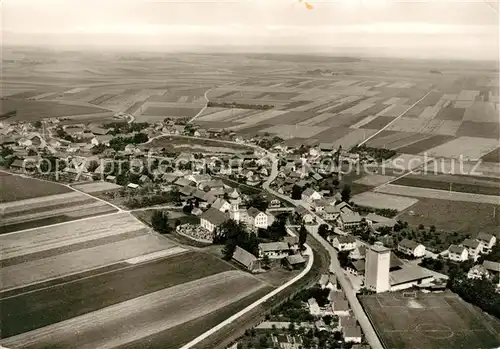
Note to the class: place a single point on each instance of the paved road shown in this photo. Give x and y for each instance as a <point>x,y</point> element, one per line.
<point>369,332</point>
<point>252,306</point>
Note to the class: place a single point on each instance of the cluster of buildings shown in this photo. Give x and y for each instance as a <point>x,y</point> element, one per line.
<point>337,306</point>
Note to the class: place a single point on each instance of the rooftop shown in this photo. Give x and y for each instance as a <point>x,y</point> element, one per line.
<point>408,273</point>
<point>214,216</point>
<point>273,246</point>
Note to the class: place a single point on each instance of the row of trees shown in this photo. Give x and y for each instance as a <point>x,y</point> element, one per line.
<point>119,143</point>
<point>125,127</point>
<point>239,105</point>
<point>154,199</point>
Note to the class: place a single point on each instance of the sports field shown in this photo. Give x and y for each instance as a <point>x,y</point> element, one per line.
<point>430,321</point>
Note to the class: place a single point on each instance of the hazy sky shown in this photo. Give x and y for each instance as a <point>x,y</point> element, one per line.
<point>430,27</point>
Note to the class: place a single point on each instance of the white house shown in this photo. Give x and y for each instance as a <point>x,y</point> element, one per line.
<point>256,218</point>
<point>309,195</point>
<point>104,139</point>
<point>314,308</point>
<point>274,250</point>
<point>487,241</point>
<point>328,281</point>
<point>344,242</point>
<point>474,248</point>
<point>212,218</point>
<point>222,205</point>
<point>411,248</point>
<point>478,272</point>
<point>457,253</point>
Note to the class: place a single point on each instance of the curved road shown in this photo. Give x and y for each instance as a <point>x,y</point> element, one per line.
<point>359,313</point>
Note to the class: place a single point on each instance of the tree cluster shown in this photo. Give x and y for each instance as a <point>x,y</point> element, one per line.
<point>378,154</point>
<point>125,127</point>
<point>119,143</point>
<point>159,222</point>
<point>231,234</point>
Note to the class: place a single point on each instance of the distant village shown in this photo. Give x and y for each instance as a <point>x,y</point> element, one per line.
<point>224,191</point>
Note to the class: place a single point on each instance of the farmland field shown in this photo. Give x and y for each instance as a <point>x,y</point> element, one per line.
<point>420,192</point>
<point>96,187</point>
<point>377,200</point>
<point>145,313</point>
<point>35,110</point>
<point>463,184</point>
<point>36,212</point>
<point>20,188</point>
<point>447,215</point>
<point>430,321</point>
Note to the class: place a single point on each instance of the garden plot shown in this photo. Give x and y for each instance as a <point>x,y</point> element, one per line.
<point>436,194</point>
<point>39,270</point>
<point>381,201</point>
<point>465,147</point>
<point>97,187</point>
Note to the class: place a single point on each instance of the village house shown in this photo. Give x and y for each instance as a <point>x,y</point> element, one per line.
<point>492,267</point>
<point>478,272</point>
<point>352,334</point>
<point>101,139</point>
<point>344,242</point>
<point>274,250</point>
<point>305,215</point>
<point>309,195</point>
<point>294,262</point>
<point>246,259</point>
<point>356,268</point>
<point>474,248</point>
<point>349,220</point>
<point>314,308</point>
<point>411,248</point>
<point>339,304</point>
<point>212,218</point>
<point>256,218</point>
<point>328,281</point>
<point>222,205</point>
<point>293,243</point>
<point>487,241</point>
<point>331,213</point>
<point>358,253</point>
<point>376,221</point>
<point>457,253</point>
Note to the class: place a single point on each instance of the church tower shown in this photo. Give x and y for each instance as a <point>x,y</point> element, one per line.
<point>235,210</point>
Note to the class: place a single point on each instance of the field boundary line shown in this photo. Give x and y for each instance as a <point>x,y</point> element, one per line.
<point>56,224</point>
<point>125,267</point>
<point>255,304</point>
<point>395,119</point>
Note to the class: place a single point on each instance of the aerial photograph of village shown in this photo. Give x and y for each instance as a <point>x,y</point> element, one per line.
<point>249,174</point>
